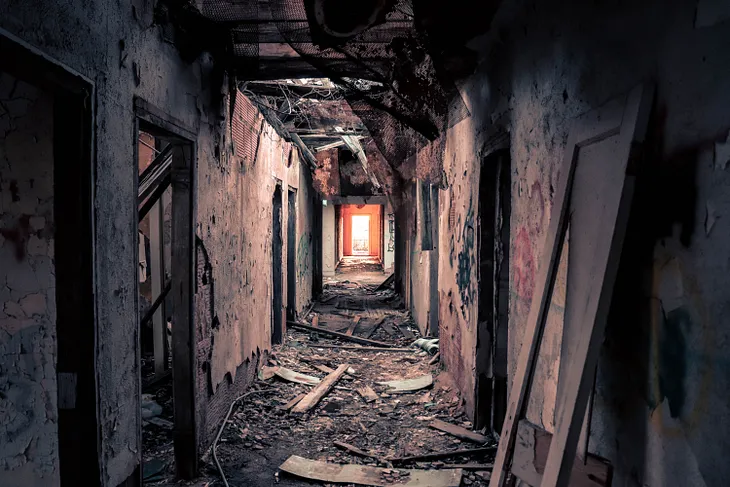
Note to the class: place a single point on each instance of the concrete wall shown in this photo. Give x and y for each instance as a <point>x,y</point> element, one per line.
<point>127,54</point>
<point>662,414</point>
<point>28,386</point>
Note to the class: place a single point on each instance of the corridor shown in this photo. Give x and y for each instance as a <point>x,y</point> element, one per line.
<point>392,243</point>
<point>264,432</point>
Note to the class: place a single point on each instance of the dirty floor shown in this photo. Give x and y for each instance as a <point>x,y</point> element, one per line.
<point>261,433</point>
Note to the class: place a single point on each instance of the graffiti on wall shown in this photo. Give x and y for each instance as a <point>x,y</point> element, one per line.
<point>391,232</point>
<point>466,261</point>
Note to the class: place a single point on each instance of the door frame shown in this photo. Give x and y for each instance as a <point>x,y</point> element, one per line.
<point>184,338</point>
<point>79,430</point>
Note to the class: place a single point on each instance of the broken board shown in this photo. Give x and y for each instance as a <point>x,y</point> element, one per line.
<point>598,172</point>
<point>458,431</point>
<point>291,376</point>
<point>316,394</point>
<point>408,385</point>
<point>353,325</point>
<point>364,475</point>
<point>367,393</point>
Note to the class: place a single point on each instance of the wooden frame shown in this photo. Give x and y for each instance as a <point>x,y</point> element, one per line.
<point>182,291</point>
<point>624,118</point>
<point>79,429</point>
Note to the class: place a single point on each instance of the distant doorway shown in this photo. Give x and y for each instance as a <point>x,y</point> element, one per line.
<point>360,234</point>
<point>277,325</point>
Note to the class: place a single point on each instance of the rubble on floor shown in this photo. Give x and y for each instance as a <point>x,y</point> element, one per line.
<point>358,421</point>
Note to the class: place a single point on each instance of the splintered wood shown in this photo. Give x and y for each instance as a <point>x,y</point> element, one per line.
<point>316,394</point>
<point>364,475</point>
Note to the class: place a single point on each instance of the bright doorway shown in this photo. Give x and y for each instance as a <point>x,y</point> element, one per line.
<point>360,234</point>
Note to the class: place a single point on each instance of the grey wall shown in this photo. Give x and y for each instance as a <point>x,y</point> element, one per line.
<point>28,388</point>
<point>126,54</point>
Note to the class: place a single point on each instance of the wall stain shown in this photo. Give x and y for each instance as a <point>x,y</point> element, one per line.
<point>467,260</point>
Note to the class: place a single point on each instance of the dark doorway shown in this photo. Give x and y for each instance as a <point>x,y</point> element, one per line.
<point>291,257</point>
<point>165,262</point>
<point>62,224</point>
<point>491,353</point>
<point>277,305</point>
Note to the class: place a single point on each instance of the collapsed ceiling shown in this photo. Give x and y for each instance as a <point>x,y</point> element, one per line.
<point>383,69</point>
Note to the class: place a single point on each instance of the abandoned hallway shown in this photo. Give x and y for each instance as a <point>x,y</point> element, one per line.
<point>398,243</point>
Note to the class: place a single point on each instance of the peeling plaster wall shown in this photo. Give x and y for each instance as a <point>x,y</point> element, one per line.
<point>117,45</point>
<point>662,407</point>
<point>234,252</point>
<point>28,388</point>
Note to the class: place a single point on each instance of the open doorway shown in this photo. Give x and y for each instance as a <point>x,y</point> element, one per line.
<point>491,359</point>
<point>360,234</point>
<point>165,245</point>
<point>291,257</point>
<point>277,303</point>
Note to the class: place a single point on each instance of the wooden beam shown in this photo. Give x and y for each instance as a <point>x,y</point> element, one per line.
<point>320,390</point>
<point>335,334</point>
<point>183,334</point>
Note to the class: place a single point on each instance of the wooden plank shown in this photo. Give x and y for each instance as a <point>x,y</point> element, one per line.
<point>329,370</point>
<point>458,431</point>
<point>364,475</point>
<point>293,402</point>
<point>443,454</point>
<point>355,339</point>
<point>531,452</point>
<point>592,127</point>
<point>354,450</point>
<point>470,466</point>
<point>602,194</point>
<point>409,385</point>
<point>367,393</point>
<point>316,394</point>
<point>183,328</point>
<point>292,376</point>
<point>364,349</point>
<point>403,327</point>
<point>353,325</point>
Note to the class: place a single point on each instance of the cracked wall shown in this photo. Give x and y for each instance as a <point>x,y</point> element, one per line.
<point>233,300</point>
<point>28,390</point>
